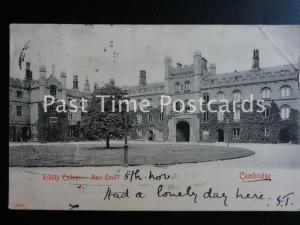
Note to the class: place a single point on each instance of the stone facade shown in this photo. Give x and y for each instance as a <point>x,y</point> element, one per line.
<point>27,95</point>
<point>278,86</point>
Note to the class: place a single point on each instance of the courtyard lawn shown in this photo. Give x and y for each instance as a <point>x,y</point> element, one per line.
<point>87,154</point>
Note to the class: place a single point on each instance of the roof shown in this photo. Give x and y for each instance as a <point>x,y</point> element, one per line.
<point>269,74</point>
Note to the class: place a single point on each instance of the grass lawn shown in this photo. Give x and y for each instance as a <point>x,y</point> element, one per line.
<point>73,154</point>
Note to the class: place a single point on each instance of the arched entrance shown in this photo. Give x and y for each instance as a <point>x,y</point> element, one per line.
<point>284,135</point>
<point>182,132</point>
<point>220,135</point>
<point>150,135</point>
<point>24,133</point>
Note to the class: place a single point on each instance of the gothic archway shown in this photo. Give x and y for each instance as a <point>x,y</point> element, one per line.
<point>284,135</point>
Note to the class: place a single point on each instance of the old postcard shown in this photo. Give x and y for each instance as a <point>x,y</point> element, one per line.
<point>154,117</point>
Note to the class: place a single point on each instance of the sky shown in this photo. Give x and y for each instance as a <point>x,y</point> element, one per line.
<point>101,52</point>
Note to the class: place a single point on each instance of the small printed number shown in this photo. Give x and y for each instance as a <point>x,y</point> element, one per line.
<point>19,205</point>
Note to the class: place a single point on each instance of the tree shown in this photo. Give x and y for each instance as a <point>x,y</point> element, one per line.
<point>106,124</point>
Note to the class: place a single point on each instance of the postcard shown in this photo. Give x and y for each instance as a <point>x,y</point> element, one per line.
<point>154,117</point>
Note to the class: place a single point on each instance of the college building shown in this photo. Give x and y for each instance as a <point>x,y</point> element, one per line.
<point>27,96</point>
<point>278,86</point>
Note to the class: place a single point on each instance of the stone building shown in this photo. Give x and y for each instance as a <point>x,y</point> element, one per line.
<point>278,86</point>
<point>27,95</point>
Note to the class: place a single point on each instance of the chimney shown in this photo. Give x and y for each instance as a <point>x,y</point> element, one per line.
<point>28,73</point>
<point>86,85</point>
<point>255,65</point>
<point>142,77</point>
<point>42,80</point>
<point>75,82</point>
<point>112,82</point>
<point>212,69</point>
<point>53,70</point>
<point>95,86</point>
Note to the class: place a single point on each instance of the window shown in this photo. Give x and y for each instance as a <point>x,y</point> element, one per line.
<point>139,118</point>
<point>70,116</point>
<point>265,132</point>
<point>237,115</point>
<point>187,86</point>
<point>205,135</point>
<point>266,113</point>
<point>53,90</point>
<point>236,133</point>
<point>220,95</point>
<point>161,117</point>
<point>220,115</point>
<point>178,106</point>
<point>285,112</point>
<point>19,94</point>
<point>236,95</point>
<point>285,91</point>
<point>187,107</point>
<point>206,98</point>
<point>205,117</point>
<point>150,118</point>
<point>265,93</point>
<point>19,110</point>
<point>177,86</point>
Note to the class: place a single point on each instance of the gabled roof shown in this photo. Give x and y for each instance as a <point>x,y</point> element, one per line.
<point>52,80</point>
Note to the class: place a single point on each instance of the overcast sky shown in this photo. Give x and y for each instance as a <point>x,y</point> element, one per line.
<point>89,50</point>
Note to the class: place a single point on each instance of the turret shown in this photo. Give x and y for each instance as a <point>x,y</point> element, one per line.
<point>200,64</point>
<point>255,59</point>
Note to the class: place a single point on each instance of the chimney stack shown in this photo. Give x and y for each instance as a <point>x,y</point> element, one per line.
<point>255,65</point>
<point>86,86</point>
<point>179,65</point>
<point>95,86</point>
<point>112,82</point>
<point>53,70</point>
<point>142,77</point>
<point>28,73</point>
<point>212,69</point>
<point>75,82</point>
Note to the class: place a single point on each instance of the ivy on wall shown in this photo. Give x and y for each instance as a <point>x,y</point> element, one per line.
<point>55,129</point>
